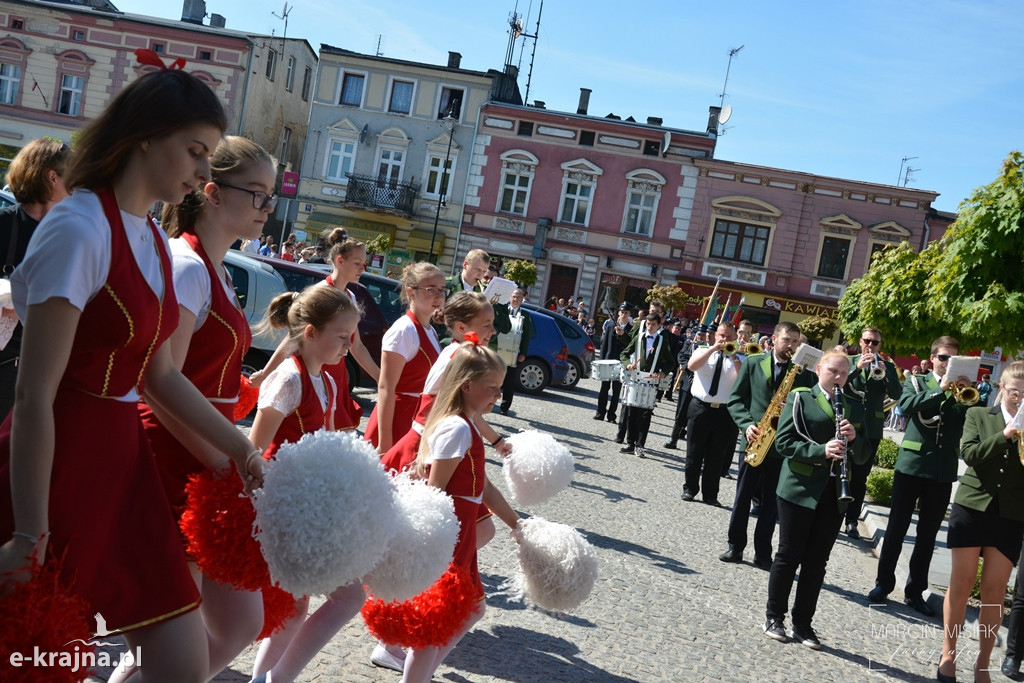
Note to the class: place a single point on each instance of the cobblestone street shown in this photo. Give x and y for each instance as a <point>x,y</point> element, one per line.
<point>664,607</point>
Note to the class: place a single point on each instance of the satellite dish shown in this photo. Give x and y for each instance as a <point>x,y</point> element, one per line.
<point>665,142</point>
<point>726,114</point>
<point>363,133</point>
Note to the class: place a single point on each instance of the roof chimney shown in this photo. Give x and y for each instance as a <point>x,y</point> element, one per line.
<point>654,121</point>
<point>454,60</point>
<point>584,101</point>
<point>539,104</point>
<point>193,11</point>
<point>217,20</point>
<point>713,113</point>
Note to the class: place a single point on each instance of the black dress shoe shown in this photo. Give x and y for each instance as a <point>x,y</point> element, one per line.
<point>671,445</point>
<point>687,496</point>
<point>598,416</point>
<point>618,440</point>
<point>713,503</point>
<point>851,531</point>
<point>611,418</point>
<point>1011,668</point>
<point>762,563</point>
<point>731,556</point>
<point>878,596</point>
<point>628,448</point>
<point>917,603</point>
<point>755,511</point>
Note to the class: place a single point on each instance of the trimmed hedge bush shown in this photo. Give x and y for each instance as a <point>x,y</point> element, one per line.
<point>886,455</point>
<point>879,485</point>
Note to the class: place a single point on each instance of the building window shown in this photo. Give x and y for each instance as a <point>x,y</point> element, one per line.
<point>307,81</point>
<point>525,128</point>
<point>451,100</point>
<point>640,213</point>
<point>289,79</point>
<point>205,55</point>
<point>437,180</point>
<point>77,35</point>
<point>576,202</point>
<point>834,253</point>
<point>341,157</point>
<point>401,97</point>
<point>515,192</point>
<point>271,64</point>
<point>352,89</point>
<point>17,24</point>
<point>740,242</point>
<point>286,143</point>
<point>10,79</point>
<point>158,48</point>
<point>587,138</point>
<point>390,163</point>
<point>70,101</point>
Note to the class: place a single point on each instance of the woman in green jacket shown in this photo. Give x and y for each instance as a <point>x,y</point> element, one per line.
<point>986,521</point>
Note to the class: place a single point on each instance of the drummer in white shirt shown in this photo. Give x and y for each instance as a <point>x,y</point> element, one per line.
<point>650,354</point>
<point>710,431</point>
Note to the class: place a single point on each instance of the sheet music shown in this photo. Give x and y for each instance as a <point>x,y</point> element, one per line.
<point>966,366</point>
<point>499,290</point>
<point>807,356</point>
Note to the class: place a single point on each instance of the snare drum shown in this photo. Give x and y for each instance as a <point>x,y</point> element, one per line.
<point>627,376</point>
<point>666,383</point>
<point>605,370</point>
<point>640,394</point>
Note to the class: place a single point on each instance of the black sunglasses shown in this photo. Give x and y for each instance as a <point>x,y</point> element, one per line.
<point>942,356</point>
<point>871,342</point>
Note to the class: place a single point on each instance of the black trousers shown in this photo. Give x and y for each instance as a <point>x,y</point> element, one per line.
<point>508,388</point>
<point>755,482</point>
<point>604,406</point>
<point>710,433</point>
<point>806,538</point>
<point>8,378</point>
<point>1015,624</point>
<point>858,483</point>
<point>634,423</point>
<point>931,499</point>
<point>682,407</point>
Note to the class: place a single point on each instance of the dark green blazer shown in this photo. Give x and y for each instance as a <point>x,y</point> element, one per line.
<point>752,392</point>
<point>664,361</point>
<point>994,469</point>
<point>805,469</point>
<point>873,393</point>
<point>931,442</point>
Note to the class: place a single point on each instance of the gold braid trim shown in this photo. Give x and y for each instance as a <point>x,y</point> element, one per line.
<point>227,361</point>
<point>131,335</point>
<point>152,344</point>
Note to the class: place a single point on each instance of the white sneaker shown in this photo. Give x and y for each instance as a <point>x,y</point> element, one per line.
<point>381,657</point>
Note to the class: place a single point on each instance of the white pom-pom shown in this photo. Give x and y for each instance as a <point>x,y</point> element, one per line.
<point>537,468</point>
<point>325,514</point>
<point>558,567</point>
<point>422,546</point>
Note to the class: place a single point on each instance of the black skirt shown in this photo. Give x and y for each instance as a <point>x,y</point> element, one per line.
<point>970,528</point>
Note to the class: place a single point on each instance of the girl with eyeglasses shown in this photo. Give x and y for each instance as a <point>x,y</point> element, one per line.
<point>77,478</point>
<point>409,348</point>
<point>986,522</point>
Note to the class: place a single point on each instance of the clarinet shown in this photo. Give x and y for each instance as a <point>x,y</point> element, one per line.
<point>844,479</point>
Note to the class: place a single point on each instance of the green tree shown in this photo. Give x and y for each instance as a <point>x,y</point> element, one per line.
<point>818,328</point>
<point>379,244</point>
<point>523,273</point>
<point>673,297</point>
<point>968,284</point>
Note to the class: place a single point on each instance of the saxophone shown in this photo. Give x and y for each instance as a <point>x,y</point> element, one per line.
<point>757,450</point>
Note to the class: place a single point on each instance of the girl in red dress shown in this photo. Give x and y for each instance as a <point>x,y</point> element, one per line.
<point>348,257</point>
<point>77,478</point>
<point>408,350</point>
<point>299,397</point>
<point>452,458</point>
<point>208,345</point>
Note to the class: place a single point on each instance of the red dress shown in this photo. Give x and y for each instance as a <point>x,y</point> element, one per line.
<point>468,480</point>
<point>107,508</point>
<point>308,417</point>
<point>348,413</point>
<point>408,389</point>
<point>214,365</point>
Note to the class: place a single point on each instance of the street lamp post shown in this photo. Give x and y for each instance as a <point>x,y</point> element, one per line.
<point>445,179</point>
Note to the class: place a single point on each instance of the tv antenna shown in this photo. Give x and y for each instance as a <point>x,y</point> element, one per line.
<point>900,178</point>
<point>732,53</point>
<point>284,15</point>
<point>380,37</point>
<point>516,31</point>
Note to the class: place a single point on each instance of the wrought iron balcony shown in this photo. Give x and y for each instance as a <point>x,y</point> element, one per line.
<point>380,194</point>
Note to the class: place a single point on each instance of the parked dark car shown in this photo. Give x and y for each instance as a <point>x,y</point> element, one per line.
<point>581,346</point>
<point>546,358</point>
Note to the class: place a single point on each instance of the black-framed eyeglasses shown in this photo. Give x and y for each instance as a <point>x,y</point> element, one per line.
<point>944,357</point>
<point>260,200</point>
<point>871,342</point>
<point>432,291</point>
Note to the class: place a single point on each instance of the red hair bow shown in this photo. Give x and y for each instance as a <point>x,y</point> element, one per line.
<point>150,58</point>
<point>472,337</point>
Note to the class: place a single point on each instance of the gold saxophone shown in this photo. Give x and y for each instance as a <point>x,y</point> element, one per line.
<point>757,450</point>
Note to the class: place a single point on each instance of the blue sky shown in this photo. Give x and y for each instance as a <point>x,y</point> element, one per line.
<point>841,89</point>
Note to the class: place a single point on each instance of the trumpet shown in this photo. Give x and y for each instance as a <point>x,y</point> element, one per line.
<point>877,368</point>
<point>730,348</point>
<point>751,348</point>
<point>965,395</point>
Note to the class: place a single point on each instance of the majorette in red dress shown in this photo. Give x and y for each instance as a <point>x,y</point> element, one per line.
<point>468,481</point>
<point>348,412</point>
<point>409,387</point>
<point>308,417</point>
<point>214,365</point>
<point>108,511</point>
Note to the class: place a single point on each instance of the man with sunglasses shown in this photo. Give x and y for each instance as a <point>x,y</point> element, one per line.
<point>925,471</point>
<point>872,388</point>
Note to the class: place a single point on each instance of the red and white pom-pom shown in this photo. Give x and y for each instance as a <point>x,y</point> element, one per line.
<point>557,566</point>
<point>43,614</point>
<point>278,607</point>
<point>422,546</point>
<point>247,397</point>
<point>326,512</point>
<point>217,523</point>
<point>430,619</point>
<point>537,468</point>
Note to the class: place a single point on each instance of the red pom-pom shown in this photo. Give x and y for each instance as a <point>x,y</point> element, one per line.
<point>431,619</point>
<point>247,397</point>
<point>278,607</point>
<point>43,613</point>
<point>217,522</point>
